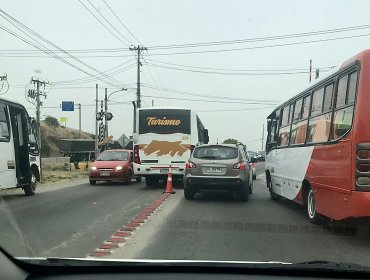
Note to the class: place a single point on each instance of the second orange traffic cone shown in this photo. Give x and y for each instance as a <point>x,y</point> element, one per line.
<point>169,186</point>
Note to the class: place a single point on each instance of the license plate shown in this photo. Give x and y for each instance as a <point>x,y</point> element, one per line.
<point>214,169</point>
<point>104,173</point>
<point>163,170</point>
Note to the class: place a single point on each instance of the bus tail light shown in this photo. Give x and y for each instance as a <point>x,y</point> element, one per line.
<point>254,164</point>
<point>190,165</point>
<point>363,154</point>
<point>239,166</point>
<point>362,182</point>
<point>136,155</point>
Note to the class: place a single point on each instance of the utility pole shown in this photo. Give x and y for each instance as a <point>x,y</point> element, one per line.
<point>36,95</point>
<point>79,117</point>
<point>263,135</point>
<point>310,70</point>
<point>96,120</point>
<point>106,112</point>
<point>152,102</point>
<point>138,49</point>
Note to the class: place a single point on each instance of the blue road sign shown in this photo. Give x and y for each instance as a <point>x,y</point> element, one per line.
<point>68,106</point>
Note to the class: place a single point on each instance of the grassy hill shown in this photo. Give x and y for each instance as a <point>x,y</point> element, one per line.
<point>51,134</point>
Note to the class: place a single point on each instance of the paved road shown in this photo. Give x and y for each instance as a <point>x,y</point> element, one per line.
<point>68,221</point>
<point>216,227</point>
<point>72,221</point>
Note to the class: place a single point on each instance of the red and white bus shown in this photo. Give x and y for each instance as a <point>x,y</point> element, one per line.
<point>318,145</point>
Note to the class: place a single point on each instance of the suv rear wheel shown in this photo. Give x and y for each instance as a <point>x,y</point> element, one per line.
<point>244,193</point>
<point>189,194</point>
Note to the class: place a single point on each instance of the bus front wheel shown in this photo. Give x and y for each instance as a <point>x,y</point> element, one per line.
<point>273,195</point>
<point>30,188</point>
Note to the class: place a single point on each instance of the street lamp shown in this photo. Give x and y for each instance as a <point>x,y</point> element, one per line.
<point>106,108</point>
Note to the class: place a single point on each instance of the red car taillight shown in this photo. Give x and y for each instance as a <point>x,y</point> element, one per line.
<point>136,154</point>
<point>239,166</point>
<point>190,165</point>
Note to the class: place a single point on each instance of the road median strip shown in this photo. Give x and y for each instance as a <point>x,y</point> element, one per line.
<point>118,239</point>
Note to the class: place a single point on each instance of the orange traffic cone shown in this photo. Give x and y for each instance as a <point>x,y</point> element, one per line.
<point>169,188</point>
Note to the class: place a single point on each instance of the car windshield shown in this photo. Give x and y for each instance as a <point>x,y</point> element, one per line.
<point>215,152</point>
<point>221,130</point>
<point>113,156</point>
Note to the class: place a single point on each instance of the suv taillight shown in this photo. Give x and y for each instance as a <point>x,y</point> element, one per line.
<point>136,154</point>
<point>190,165</point>
<point>239,166</point>
<point>362,167</point>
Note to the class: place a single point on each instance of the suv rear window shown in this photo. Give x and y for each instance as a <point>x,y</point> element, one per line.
<point>216,152</point>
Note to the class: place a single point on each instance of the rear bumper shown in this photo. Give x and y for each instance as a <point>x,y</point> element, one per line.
<point>215,183</point>
<point>149,170</point>
<point>360,204</point>
<point>113,176</point>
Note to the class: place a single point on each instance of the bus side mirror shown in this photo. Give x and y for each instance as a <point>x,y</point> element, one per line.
<point>206,137</point>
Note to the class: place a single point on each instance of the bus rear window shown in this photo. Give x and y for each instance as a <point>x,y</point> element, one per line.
<point>164,121</point>
<point>216,152</point>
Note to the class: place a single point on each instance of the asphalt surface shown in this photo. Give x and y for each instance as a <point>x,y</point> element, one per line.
<point>215,226</point>
<point>69,220</point>
<point>72,220</point>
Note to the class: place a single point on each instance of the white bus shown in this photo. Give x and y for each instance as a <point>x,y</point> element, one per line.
<point>165,136</point>
<point>19,153</point>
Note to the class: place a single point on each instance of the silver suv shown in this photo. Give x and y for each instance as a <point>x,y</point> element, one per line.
<point>218,167</point>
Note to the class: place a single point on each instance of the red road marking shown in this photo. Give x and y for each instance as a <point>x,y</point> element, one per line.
<point>126,231</point>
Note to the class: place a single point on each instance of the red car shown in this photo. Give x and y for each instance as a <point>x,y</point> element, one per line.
<point>113,166</point>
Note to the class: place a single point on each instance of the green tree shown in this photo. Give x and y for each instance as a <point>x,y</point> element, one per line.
<point>234,141</point>
<point>51,121</point>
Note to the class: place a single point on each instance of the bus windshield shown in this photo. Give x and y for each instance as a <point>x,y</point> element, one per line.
<point>164,121</point>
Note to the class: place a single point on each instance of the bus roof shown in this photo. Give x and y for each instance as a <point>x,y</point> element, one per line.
<point>164,107</point>
<point>364,55</point>
<point>11,102</point>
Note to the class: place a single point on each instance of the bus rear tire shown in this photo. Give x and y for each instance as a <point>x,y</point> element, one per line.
<point>273,196</point>
<point>313,215</point>
<point>189,194</point>
<point>151,181</point>
<point>30,188</point>
<point>138,179</point>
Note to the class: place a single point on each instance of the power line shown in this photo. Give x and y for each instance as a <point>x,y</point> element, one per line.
<point>102,23</point>
<point>240,70</point>
<point>202,44</point>
<point>210,96</point>
<point>234,73</point>
<point>122,22</point>
<point>87,80</point>
<point>109,22</point>
<point>263,47</point>
<point>217,51</point>
<point>212,101</point>
<point>11,20</point>
<point>262,39</point>
<point>235,110</point>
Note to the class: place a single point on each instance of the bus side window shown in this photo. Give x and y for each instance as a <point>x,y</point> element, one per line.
<point>4,124</point>
<point>342,121</point>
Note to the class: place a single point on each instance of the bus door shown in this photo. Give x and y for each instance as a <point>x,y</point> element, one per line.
<point>7,160</point>
<point>20,140</point>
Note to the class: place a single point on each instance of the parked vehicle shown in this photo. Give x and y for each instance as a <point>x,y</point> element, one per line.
<point>113,166</point>
<point>19,150</point>
<point>218,167</point>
